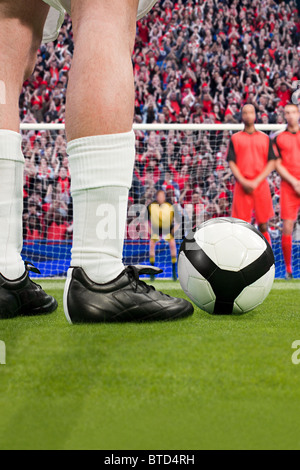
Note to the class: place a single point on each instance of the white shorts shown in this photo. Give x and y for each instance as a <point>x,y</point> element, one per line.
<point>60,7</point>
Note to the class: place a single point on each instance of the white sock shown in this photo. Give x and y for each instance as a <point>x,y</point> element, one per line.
<point>101,174</point>
<point>11,205</point>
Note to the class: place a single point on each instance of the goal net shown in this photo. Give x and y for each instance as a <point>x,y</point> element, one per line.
<point>187,162</point>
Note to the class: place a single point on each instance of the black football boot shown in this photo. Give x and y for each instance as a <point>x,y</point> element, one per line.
<point>125,299</point>
<point>23,297</point>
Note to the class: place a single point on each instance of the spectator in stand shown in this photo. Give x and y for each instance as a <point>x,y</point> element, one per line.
<point>56,217</point>
<point>32,223</point>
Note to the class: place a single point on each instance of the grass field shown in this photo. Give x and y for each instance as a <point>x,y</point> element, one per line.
<point>203,383</point>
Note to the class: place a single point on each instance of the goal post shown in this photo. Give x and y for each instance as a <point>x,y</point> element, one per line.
<point>187,161</point>
<point>164,127</point>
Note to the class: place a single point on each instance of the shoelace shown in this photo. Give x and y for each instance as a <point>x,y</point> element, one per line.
<point>133,274</point>
<point>31,268</point>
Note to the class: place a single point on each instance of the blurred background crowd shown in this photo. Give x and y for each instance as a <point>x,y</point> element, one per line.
<point>195,61</point>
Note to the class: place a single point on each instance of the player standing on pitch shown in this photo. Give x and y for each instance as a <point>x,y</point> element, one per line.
<point>287,144</point>
<point>101,148</point>
<point>161,217</point>
<point>252,159</point>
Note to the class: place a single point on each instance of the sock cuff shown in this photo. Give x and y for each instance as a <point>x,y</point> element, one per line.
<point>102,161</point>
<point>11,146</point>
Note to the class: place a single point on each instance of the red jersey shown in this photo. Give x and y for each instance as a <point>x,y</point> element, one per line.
<point>250,152</point>
<point>32,235</point>
<point>284,96</point>
<point>288,146</point>
<point>65,184</point>
<point>177,178</point>
<point>57,232</point>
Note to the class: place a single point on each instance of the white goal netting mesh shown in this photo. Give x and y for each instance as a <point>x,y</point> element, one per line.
<point>187,162</point>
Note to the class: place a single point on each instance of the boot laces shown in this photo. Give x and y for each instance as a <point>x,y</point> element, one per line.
<point>31,268</point>
<point>134,276</point>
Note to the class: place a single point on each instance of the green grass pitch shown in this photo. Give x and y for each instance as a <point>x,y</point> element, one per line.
<point>203,383</point>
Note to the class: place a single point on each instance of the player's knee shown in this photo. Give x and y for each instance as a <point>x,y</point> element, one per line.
<point>288,227</point>
<point>105,21</point>
<point>26,23</point>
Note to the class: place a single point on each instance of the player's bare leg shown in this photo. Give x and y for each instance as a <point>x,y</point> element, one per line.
<point>101,98</point>
<point>99,117</point>
<point>173,249</point>
<point>287,246</point>
<point>264,229</point>
<point>21,27</point>
<point>20,37</point>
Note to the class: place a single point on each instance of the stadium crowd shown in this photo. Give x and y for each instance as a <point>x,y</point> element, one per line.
<point>195,61</point>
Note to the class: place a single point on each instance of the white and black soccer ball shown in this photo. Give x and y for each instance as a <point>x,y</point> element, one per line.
<point>226,266</point>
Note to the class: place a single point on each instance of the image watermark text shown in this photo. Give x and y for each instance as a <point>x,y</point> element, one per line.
<point>296,354</point>
<point>2,353</point>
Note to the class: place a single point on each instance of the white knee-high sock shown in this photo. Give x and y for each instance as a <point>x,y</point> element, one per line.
<point>11,204</point>
<point>101,173</point>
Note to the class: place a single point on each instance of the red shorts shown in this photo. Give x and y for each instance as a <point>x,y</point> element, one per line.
<point>290,202</point>
<point>259,202</point>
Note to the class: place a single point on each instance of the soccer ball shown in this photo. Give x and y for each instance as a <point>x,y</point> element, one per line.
<point>226,266</point>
